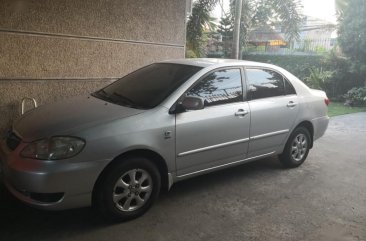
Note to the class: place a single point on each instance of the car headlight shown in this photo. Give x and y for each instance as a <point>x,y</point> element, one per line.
<point>54,148</point>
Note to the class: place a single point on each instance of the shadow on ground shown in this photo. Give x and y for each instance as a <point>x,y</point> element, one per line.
<point>18,221</point>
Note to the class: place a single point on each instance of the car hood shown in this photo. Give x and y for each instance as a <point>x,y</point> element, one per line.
<point>68,117</point>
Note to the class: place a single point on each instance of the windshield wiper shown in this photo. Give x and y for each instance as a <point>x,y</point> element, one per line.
<point>117,98</point>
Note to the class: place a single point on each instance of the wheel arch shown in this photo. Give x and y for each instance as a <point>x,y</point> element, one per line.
<point>309,126</point>
<point>156,158</point>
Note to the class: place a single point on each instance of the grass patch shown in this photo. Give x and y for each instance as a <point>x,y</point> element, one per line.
<point>337,108</point>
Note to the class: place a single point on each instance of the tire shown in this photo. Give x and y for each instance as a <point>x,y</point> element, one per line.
<point>297,148</point>
<point>127,189</point>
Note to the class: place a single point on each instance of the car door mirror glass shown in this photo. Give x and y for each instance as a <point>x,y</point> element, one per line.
<point>193,103</point>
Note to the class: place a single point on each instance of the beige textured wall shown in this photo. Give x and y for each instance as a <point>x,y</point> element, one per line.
<point>53,49</point>
<point>26,56</point>
<point>11,93</point>
<point>144,20</point>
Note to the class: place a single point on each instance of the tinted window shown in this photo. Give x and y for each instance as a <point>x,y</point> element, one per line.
<point>148,86</point>
<point>219,87</point>
<point>289,89</point>
<point>264,83</point>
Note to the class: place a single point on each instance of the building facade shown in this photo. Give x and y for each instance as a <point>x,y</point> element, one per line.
<point>50,50</point>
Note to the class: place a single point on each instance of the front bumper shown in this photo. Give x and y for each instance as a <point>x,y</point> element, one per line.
<point>50,185</point>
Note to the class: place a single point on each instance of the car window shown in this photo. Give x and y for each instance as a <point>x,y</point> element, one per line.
<point>220,87</point>
<point>264,83</point>
<point>289,89</point>
<point>147,87</point>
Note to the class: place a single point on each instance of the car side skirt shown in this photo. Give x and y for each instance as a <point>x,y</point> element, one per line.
<point>227,165</point>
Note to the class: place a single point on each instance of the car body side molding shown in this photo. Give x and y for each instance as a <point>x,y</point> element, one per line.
<point>213,147</point>
<point>226,165</point>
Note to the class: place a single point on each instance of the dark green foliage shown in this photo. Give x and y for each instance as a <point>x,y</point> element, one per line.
<point>254,13</point>
<point>287,13</point>
<point>190,54</point>
<point>319,79</point>
<point>342,78</point>
<point>356,96</point>
<point>328,72</point>
<point>352,36</point>
<point>226,28</point>
<point>284,13</point>
<point>298,65</point>
<point>196,24</point>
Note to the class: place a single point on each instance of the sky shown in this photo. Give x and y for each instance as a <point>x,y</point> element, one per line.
<point>322,9</point>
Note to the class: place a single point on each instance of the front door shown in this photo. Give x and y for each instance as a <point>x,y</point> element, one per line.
<point>219,133</point>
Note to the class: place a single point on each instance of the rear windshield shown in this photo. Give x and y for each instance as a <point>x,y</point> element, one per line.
<point>147,87</point>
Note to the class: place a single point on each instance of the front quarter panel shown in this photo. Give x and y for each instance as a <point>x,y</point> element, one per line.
<point>152,130</point>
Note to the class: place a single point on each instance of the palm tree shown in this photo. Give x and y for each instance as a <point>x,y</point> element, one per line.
<point>254,13</point>
<point>341,5</point>
<point>197,23</point>
<point>270,13</point>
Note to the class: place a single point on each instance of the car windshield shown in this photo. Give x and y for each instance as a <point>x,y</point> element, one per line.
<point>147,87</point>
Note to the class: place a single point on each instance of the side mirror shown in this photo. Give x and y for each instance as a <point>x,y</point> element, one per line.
<point>193,103</point>
<point>188,103</point>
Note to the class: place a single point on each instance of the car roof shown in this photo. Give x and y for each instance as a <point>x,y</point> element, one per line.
<point>206,62</point>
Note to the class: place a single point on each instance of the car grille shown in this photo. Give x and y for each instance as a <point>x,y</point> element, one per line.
<point>12,141</point>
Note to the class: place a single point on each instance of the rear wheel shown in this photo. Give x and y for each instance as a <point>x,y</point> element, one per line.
<point>128,189</point>
<point>297,148</point>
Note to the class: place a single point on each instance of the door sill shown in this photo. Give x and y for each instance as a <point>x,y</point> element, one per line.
<point>224,165</point>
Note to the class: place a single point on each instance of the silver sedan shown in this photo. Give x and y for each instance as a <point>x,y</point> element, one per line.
<point>118,147</point>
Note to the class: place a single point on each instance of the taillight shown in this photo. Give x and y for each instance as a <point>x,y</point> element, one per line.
<point>327,101</point>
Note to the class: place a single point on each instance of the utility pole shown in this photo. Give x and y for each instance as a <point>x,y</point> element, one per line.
<point>236,33</point>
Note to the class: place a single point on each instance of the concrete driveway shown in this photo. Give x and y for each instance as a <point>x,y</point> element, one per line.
<point>324,199</point>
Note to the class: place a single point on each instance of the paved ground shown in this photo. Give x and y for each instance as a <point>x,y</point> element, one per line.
<point>324,199</point>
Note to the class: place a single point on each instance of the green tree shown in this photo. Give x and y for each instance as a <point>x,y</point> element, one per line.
<point>259,13</point>
<point>352,36</point>
<point>318,78</point>
<point>197,23</point>
<point>226,30</point>
<point>254,13</point>
<point>341,5</point>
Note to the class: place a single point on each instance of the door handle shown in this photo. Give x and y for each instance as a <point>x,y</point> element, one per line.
<point>291,104</point>
<point>241,112</point>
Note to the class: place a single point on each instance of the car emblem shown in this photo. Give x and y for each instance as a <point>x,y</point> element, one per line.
<point>167,134</point>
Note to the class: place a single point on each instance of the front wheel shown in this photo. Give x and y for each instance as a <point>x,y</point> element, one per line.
<point>128,189</point>
<point>297,148</point>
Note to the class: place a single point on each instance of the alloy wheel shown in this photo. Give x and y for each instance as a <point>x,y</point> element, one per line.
<point>299,147</point>
<point>132,190</point>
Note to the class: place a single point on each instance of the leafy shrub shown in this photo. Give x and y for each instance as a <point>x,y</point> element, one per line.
<point>356,96</point>
<point>298,65</point>
<point>190,54</point>
<point>343,78</point>
<point>318,78</point>
<point>336,71</point>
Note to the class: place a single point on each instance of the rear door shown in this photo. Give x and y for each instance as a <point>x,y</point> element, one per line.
<point>273,105</point>
<point>219,133</point>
